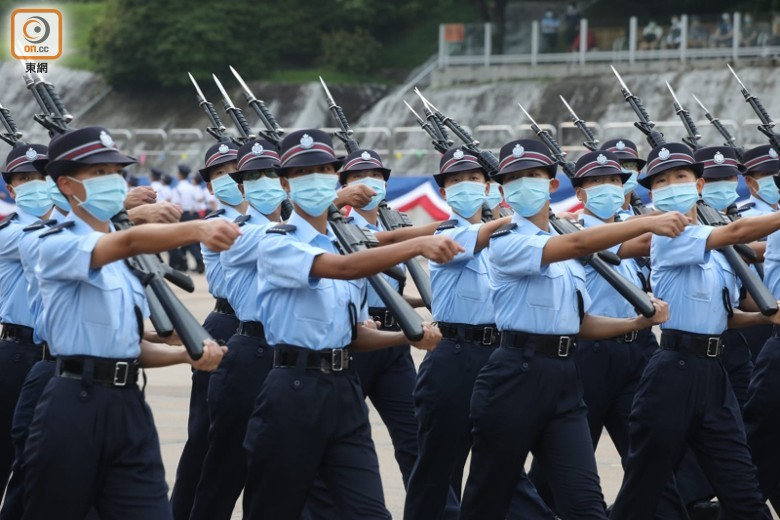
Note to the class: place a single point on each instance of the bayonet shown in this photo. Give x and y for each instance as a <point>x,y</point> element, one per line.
<point>235,114</point>
<point>217,129</point>
<point>692,139</point>
<point>591,143</point>
<point>273,131</point>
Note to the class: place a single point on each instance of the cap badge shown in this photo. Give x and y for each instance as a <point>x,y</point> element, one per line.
<point>31,154</point>
<point>458,155</point>
<point>718,158</point>
<point>307,141</point>
<point>663,154</point>
<point>257,149</point>
<point>620,145</point>
<point>365,156</point>
<point>518,150</point>
<point>223,148</point>
<point>772,153</point>
<point>601,159</point>
<point>106,139</point>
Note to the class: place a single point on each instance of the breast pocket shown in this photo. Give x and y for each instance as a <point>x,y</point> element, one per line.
<point>317,303</point>
<point>545,291</point>
<point>699,286</point>
<point>474,283</point>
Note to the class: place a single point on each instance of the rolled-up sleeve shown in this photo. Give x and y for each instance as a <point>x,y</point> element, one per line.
<point>65,256</point>
<point>689,248</point>
<point>287,263</point>
<point>517,255</point>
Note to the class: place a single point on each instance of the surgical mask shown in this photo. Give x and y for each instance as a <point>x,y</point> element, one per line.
<point>527,195</point>
<point>264,194</point>
<point>604,200</point>
<point>494,197</point>
<point>767,189</point>
<point>59,200</point>
<point>466,197</point>
<point>379,186</point>
<point>313,193</point>
<point>631,183</point>
<point>105,196</point>
<point>676,197</point>
<point>720,195</point>
<point>33,198</point>
<point>226,190</point>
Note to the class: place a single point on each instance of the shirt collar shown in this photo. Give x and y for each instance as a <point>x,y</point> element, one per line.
<point>360,221</point>
<point>257,217</point>
<point>590,220</point>
<point>305,231</point>
<point>461,221</point>
<point>760,205</point>
<point>527,227</point>
<point>231,213</point>
<point>80,227</point>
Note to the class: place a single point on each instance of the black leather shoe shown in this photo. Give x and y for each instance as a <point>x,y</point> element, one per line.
<point>705,510</point>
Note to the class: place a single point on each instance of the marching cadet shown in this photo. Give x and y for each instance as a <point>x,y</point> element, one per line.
<point>684,398</point>
<point>528,397</point>
<point>494,198</point>
<point>92,441</point>
<point>626,152</point>
<point>221,324</point>
<point>464,314</point>
<point>234,386</point>
<point>310,417</point>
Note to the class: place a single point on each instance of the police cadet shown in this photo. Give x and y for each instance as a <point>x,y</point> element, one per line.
<point>494,198</point>
<point>234,386</point>
<point>684,398</point>
<point>310,417</point>
<point>628,157</point>
<point>528,397</point>
<point>221,324</point>
<point>92,441</point>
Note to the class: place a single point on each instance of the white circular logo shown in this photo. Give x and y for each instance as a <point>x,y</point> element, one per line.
<point>106,139</point>
<point>31,154</point>
<point>307,141</point>
<point>772,153</point>
<point>518,150</point>
<point>223,148</point>
<point>601,159</point>
<point>257,149</point>
<point>458,155</point>
<point>620,145</point>
<point>365,156</point>
<point>718,158</point>
<point>663,154</point>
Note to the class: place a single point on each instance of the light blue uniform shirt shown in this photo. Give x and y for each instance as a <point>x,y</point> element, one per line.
<point>461,287</point>
<point>214,275</point>
<point>531,297</point>
<point>759,208</point>
<point>690,280</point>
<point>15,305</point>
<point>87,312</point>
<point>29,245</point>
<point>606,300</point>
<point>772,264</point>
<point>373,298</point>
<point>624,214</point>
<point>295,308</point>
<point>239,265</point>
<point>727,277</point>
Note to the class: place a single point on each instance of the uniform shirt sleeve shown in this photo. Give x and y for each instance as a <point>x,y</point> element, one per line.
<point>66,256</point>
<point>9,241</point>
<point>516,255</point>
<point>466,236</point>
<point>244,249</point>
<point>286,262</point>
<point>689,248</point>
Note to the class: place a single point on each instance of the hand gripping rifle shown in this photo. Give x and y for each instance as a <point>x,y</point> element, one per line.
<point>390,218</point>
<point>167,313</point>
<point>633,294</point>
<point>708,215</point>
<point>767,124</point>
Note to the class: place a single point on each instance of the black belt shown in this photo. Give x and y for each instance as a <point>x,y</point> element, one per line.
<point>251,328</point>
<point>628,337</point>
<point>327,360</point>
<point>383,316</point>
<point>223,307</point>
<point>697,344</point>
<point>109,372</point>
<point>487,334</point>
<point>546,345</point>
<point>17,333</point>
<point>46,354</point>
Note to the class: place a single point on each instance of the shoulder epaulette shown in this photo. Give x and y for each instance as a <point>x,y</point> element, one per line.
<point>216,213</point>
<point>745,207</point>
<point>7,220</point>
<point>56,229</point>
<point>447,224</point>
<point>503,230</point>
<point>281,229</point>
<point>349,220</point>
<point>241,220</point>
<point>40,225</point>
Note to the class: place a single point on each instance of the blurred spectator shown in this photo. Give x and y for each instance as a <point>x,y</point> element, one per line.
<point>165,193</point>
<point>698,35</point>
<point>132,181</point>
<point>749,32</point>
<point>673,39</point>
<point>651,37</point>
<point>155,177</point>
<point>590,42</point>
<point>573,17</point>
<point>550,26</point>
<point>200,195</point>
<point>725,32</point>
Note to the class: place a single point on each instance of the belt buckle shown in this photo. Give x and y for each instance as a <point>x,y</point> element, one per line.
<point>630,337</point>
<point>488,336</point>
<point>389,320</point>
<point>120,376</point>
<point>337,360</point>
<point>564,345</point>
<point>713,347</point>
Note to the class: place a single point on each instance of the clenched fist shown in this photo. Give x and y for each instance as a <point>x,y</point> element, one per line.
<point>217,235</point>
<point>431,337</point>
<point>669,224</point>
<point>440,249</point>
<point>212,356</point>
<point>357,196</point>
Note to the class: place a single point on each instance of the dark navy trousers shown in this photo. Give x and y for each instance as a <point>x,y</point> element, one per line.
<point>523,402</point>
<point>685,401</point>
<point>93,445</point>
<point>221,327</point>
<point>232,392</point>
<point>305,424</point>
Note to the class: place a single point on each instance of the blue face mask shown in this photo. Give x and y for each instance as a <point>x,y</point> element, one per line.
<point>378,185</point>
<point>226,190</point>
<point>466,197</point>
<point>494,197</point>
<point>676,197</point>
<point>767,189</point>
<point>33,197</point>
<point>264,194</point>
<point>604,200</point>
<point>527,195</point>
<point>105,196</point>
<point>56,196</point>
<point>631,183</point>
<point>720,195</point>
<point>313,193</point>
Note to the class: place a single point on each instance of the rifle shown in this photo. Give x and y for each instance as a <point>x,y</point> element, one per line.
<point>390,218</point>
<point>235,113</point>
<point>166,312</point>
<point>708,215</point>
<point>766,121</point>
<point>11,135</point>
<point>216,129</point>
<point>722,130</point>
